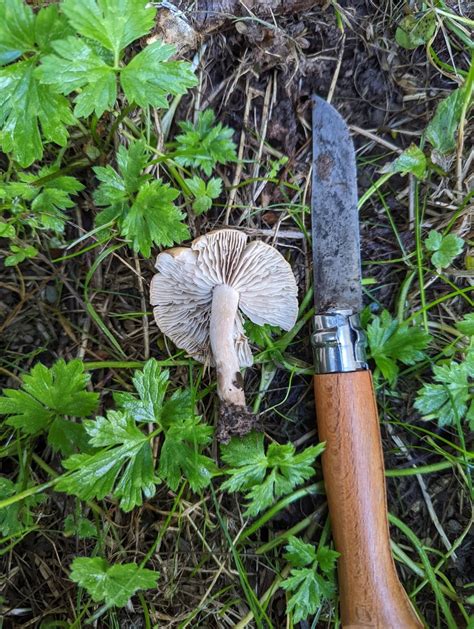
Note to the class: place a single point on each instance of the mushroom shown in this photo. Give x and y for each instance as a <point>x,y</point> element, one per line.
<point>198,295</point>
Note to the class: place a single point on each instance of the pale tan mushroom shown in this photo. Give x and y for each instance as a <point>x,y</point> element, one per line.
<point>197,294</point>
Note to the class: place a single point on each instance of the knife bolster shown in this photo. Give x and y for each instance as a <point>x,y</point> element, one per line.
<point>338,342</point>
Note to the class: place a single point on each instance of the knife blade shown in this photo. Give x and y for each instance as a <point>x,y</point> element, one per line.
<point>335,217</point>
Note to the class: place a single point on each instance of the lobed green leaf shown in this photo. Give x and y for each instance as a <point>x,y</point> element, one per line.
<point>449,399</point>
<point>445,248</point>
<point>149,78</point>
<point>16,30</point>
<point>25,106</point>
<point>299,553</point>
<point>124,468</point>
<point>205,144</point>
<point>391,342</point>
<point>48,395</point>
<point>112,23</point>
<point>264,477</point>
<point>114,584</point>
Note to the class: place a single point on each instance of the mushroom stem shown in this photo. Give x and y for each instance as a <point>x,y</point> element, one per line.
<point>225,301</point>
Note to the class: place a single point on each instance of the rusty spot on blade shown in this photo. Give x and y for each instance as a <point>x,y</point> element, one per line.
<point>324,164</point>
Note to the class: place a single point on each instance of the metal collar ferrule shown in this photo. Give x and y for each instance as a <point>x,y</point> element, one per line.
<point>338,342</point>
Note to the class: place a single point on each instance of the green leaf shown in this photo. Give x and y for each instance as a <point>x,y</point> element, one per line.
<point>16,30</point>
<point>23,31</point>
<point>247,460</point>
<point>203,193</point>
<point>259,334</point>
<point>79,66</point>
<point>18,516</point>
<point>185,436</point>
<point>143,209</point>
<point>50,25</point>
<point>25,105</point>
<point>391,342</point>
<point>414,31</point>
<point>434,240</point>
<point>149,79</point>
<point>446,248</point>
<point>48,395</point>
<point>38,200</point>
<point>10,522</point>
<point>308,589</point>
<point>327,559</point>
<point>299,553</point>
<point>117,188</point>
<point>131,163</point>
<point>264,477</point>
<point>76,66</point>
<point>151,384</point>
<point>79,527</point>
<point>67,437</point>
<point>112,23</point>
<point>442,129</point>
<point>52,198</point>
<point>114,584</point>
<point>123,468</point>
<point>466,325</point>
<point>412,160</point>
<point>205,144</point>
<point>470,415</point>
<point>154,219</point>
<point>214,187</point>
<point>20,254</point>
<point>447,399</point>
<point>7,230</point>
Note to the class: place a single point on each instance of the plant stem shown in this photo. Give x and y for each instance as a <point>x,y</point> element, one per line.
<point>419,257</point>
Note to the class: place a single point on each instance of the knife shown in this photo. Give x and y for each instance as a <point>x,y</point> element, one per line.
<point>371,594</point>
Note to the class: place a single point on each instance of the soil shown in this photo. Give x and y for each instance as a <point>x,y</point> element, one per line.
<point>258,74</point>
<point>235,421</point>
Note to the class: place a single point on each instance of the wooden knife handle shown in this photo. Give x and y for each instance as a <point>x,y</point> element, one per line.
<point>371,594</point>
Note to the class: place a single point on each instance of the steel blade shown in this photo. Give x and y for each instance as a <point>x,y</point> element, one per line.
<point>335,218</point>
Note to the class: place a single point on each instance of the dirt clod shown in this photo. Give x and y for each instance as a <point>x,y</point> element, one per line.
<point>235,421</point>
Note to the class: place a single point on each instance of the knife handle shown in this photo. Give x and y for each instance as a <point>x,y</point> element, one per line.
<point>371,594</point>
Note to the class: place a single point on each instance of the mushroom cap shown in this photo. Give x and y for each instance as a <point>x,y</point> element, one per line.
<point>181,291</point>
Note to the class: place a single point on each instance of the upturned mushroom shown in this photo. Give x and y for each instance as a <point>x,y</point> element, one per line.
<point>198,295</point>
